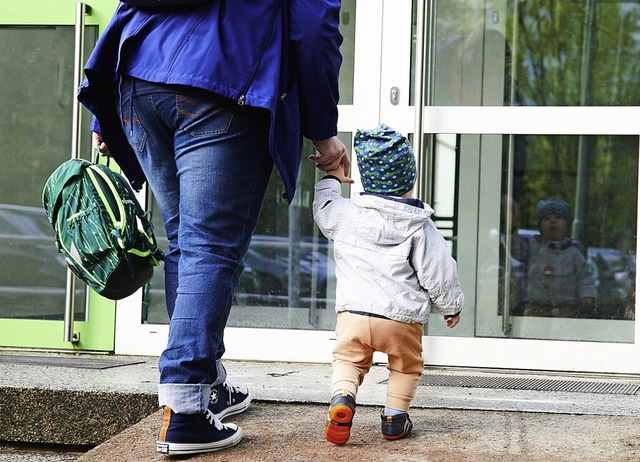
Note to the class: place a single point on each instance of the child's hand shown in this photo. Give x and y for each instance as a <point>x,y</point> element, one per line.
<point>587,305</point>
<point>452,321</point>
<point>340,173</point>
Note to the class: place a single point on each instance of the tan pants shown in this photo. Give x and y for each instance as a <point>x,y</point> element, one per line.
<point>359,337</point>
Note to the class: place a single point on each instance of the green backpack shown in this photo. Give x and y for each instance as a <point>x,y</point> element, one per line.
<point>106,238</point>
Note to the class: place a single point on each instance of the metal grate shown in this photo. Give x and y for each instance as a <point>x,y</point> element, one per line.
<point>529,383</point>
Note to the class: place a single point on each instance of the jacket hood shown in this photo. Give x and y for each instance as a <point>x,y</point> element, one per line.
<point>400,221</point>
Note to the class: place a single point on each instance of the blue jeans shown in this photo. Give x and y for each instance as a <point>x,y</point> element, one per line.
<point>207,162</point>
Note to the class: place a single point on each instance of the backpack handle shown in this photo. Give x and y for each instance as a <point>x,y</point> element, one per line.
<point>96,156</point>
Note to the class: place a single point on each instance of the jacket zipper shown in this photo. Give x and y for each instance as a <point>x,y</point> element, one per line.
<point>263,45</point>
<point>291,81</point>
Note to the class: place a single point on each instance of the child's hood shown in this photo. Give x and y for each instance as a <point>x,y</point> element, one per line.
<point>389,221</point>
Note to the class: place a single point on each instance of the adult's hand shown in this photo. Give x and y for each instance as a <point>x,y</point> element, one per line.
<point>99,144</point>
<point>332,154</point>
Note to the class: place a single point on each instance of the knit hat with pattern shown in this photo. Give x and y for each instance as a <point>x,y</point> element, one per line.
<point>554,205</point>
<point>385,161</point>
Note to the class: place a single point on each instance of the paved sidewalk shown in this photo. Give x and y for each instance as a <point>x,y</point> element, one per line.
<point>458,414</point>
<point>275,432</point>
<point>451,423</point>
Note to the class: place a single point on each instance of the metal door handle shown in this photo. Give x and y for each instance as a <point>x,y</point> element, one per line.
<point>394,95</point>
<point>81,11</point>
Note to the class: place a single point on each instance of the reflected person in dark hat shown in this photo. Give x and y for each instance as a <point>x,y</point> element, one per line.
<point>559,280</point>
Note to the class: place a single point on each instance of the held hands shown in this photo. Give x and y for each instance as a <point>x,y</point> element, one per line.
<point>452,321</point>
<point>340,174</point>
<point>332,154</point>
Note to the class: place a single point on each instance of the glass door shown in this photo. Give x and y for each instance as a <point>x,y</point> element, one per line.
<point>531,116</point>
<point>511,110</point>
<point>284,307</point>
<point>42,40</point>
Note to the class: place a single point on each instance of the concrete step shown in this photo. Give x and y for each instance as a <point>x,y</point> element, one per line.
<point>285,432</point>
<point>110,403</point>
<point>73,399</point>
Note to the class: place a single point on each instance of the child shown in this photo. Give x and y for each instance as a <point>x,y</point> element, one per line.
<point>391,265</point>
<point>559,280</point>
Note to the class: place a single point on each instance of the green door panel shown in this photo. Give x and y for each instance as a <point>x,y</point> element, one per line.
<point>38,94</point>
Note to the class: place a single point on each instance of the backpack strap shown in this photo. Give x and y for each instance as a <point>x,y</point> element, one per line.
<point>147,228</point>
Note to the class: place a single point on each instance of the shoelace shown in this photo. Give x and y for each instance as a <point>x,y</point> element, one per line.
<point>213,420</point>
<point>232,388</point>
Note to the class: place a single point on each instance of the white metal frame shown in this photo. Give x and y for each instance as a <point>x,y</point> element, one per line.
<point>535,354</point>
<point>382,61</point>
<point>135,338</point>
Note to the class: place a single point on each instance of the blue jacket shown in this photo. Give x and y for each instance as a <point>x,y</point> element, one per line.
<point>281,55</point>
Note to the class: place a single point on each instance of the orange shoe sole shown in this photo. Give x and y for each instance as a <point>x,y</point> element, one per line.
<point>339,426</point>
<point>393,438</point>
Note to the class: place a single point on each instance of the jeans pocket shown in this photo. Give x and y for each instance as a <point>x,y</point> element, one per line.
<point>199,117</point>
<point>136,134</point>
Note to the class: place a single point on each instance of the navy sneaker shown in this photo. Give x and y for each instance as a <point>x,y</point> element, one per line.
<point>343,407</point>
<point>229,399</point>
<point>195,433</point>
<point>395,427</point>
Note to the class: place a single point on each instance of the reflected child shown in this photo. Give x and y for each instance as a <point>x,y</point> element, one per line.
<point>559,280</point>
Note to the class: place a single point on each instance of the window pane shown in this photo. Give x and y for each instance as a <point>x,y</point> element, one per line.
<point>36,91</point>
<point>289,276</point>
<point>537,53</point>
<point>565,255</point>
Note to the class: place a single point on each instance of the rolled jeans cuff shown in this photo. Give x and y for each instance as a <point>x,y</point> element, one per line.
<point>184,398</point>
<point>189,398</point>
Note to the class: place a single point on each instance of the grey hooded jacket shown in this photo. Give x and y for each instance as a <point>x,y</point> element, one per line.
<point>391,260</point>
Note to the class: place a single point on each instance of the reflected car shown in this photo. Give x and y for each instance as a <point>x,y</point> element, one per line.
<point>33,274</point>
<point>265,280</point>
<point>614,271</point>
<point>276,281</point>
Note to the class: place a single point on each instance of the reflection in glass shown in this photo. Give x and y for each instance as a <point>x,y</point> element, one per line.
<point>564,240</point>
<point>557,278</point>
<point>289,276</point>
<point>554,218</point>
<point>536,53</point>
<point>37,93</point>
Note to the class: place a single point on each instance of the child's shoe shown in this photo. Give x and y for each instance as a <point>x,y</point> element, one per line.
<point>396,426</point>
<point>229,399</point>
<point>341,413</point>
<point>195,433</point>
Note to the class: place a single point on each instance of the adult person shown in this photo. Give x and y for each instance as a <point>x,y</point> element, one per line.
<point>201,102</point>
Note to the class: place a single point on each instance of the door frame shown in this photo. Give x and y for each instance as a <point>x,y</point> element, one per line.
<point>135,338</point>
<point>384,44</point>
<point>97,332</point>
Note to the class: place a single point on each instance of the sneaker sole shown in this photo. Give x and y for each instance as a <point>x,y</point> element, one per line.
<point>393,438</point>
<point>237,409</point>
<point>406,432</point>
<point>338,428</point>
<point>198,448</point>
